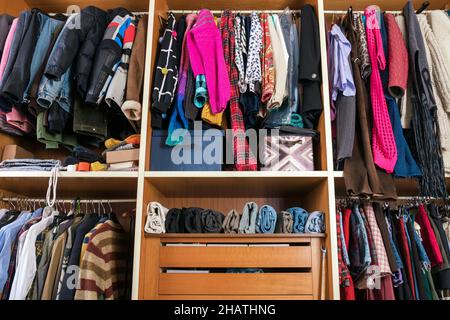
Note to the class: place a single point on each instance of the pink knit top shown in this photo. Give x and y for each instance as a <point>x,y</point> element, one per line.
<point>383,141</point>
<point>205,49</point>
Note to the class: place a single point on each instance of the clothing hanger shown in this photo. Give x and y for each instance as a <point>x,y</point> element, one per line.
<point>423,7</point>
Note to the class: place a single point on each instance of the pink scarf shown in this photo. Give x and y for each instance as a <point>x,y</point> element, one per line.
<point>383,141</point>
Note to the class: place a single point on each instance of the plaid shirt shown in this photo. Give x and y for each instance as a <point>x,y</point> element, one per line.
<point>243,156</point>
<point>380,249</point>
<point>12,261</point>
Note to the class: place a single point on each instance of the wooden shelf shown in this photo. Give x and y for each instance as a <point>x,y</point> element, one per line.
<point>405,186</point>
<point>62,5</point>
<point>102,184</point>
<point>235,184</point>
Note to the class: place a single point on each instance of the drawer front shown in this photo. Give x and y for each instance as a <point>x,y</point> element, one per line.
<point>236,284</point>
<point>235,257</point>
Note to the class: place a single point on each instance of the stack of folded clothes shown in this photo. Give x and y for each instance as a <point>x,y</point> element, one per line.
<point>253,220</point>
<point>122,155</point>
<point>29,165</point>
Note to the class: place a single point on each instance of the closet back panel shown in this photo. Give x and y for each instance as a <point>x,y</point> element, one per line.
<point>384,4</point>
<point>62,5</point>
<point>163,6</point>
<point>13,7</point>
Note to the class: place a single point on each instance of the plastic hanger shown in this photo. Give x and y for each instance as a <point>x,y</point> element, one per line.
<point>423,7</point>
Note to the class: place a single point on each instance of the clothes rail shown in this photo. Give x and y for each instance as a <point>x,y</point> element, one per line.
<point>68,14</point>
<point>397,199</point>
<point>362,11</point>
<point>240,11</point>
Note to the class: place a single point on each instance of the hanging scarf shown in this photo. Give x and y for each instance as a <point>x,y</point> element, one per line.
<point>383,141</point>
<point>239,52</point>
<point>424,121</point>
<point>268,70</point>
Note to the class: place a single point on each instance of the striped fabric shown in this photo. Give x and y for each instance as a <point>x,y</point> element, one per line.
<point>243,156</point>
<point>103,267</point>
<point>87,239</point>
<point>115,96</point>
<point>115,31</point>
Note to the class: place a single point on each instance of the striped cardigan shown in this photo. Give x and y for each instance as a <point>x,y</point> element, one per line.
<point>103,267</point>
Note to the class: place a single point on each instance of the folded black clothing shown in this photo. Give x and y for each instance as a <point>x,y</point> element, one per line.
<point>85,155</point>
<point>212,221</point>
<point>70,161</point>
<point>279,223</point>
<point>193,220</point>
<point>172,222</point>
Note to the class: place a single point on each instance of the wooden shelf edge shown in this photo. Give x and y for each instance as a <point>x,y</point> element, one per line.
<point>70,175</point>
<point>234,235</point>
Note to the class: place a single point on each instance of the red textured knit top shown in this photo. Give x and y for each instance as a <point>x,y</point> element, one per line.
<point>383,141</point>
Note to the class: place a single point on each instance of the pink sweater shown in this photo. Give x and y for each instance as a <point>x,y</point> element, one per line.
<point>383,140</point>
<point>7,47</point>
<point>206,55</point>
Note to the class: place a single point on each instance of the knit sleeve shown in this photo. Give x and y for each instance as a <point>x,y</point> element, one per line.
<point>93,270</point>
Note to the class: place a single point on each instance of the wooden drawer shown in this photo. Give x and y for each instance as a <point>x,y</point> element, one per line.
<point>235,257</point>
<point>236,284</point>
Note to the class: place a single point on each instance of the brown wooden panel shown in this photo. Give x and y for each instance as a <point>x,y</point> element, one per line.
<point>384,4</point>
<point>238,284</point>
<point>234,297</point>
<point>235,4</point>
<point>235,257</point>
<point>61,5</point>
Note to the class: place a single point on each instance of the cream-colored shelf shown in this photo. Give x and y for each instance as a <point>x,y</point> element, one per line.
<point>91,185</point>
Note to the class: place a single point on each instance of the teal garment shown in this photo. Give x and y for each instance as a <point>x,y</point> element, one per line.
<point>53,140</point>
<point>201,93</point>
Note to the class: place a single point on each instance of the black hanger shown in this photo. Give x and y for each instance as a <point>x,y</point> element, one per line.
<point>423,7</point>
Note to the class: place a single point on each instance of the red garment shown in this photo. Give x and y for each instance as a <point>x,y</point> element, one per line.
<point>428,237</point>
<point>404,247</point>
<point>348,293</point>
<point>398,57</point>
<point>347,289</point>
<point>346,225</point>
<point>386,291</point>
<point>244,159</point>
<point>383,140</point>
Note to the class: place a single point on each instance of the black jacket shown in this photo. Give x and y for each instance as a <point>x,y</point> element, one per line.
<point>19,77</point>
<point>309,68</point>
<point>107,56</point>
<point>22,27</point>
<point>5,25</point>
<point>78,46</point>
